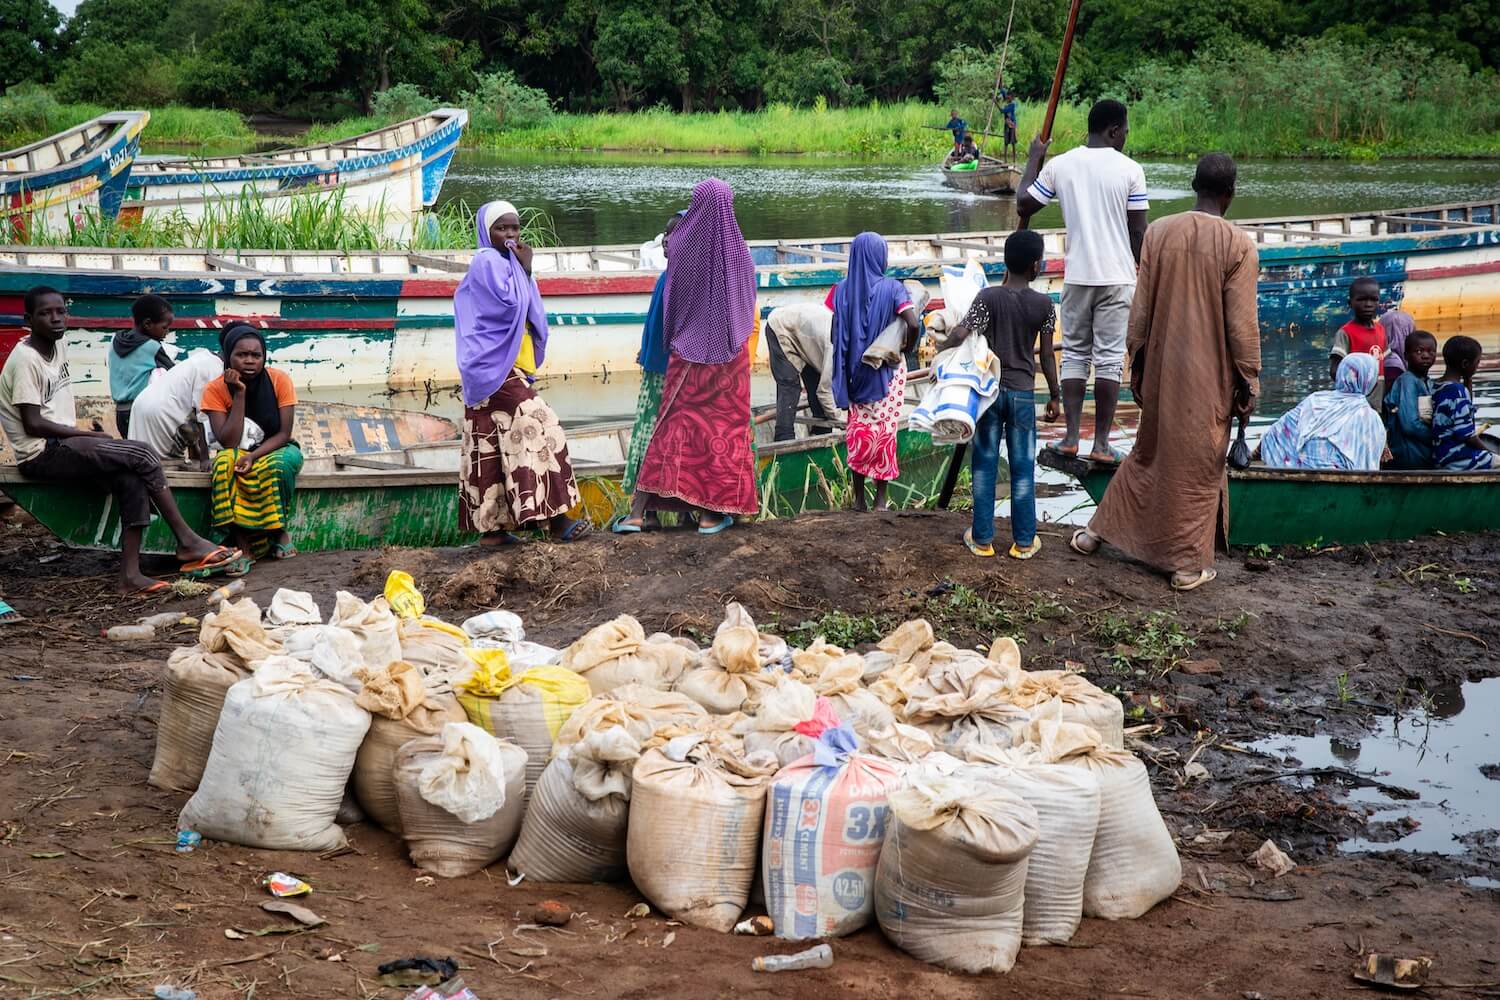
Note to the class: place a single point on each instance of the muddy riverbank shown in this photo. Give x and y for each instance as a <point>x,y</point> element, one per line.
<point>1331,644</point>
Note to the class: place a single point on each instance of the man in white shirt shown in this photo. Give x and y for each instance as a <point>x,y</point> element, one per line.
<point>801,347</point>
<point>1102,193</point>
<point>38,416</point>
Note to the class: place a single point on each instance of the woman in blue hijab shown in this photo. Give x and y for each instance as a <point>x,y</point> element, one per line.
<point>864,304</point>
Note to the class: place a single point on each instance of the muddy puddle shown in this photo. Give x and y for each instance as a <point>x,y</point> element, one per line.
<point>1444,750</point>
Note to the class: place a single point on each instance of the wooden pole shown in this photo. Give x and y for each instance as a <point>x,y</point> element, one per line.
<point>1062,70</point>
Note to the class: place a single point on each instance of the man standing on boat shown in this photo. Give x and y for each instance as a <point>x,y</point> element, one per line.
<point>1195,360</point>
<point>1103,197</point>
<point>1008,117</point>
<point>958,127</point>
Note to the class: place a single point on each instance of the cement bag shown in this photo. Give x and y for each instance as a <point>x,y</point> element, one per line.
<point>282,754</point>
<point>399,714</point>
<point>575,823</point>
<point>235,628</point>
<point>435,648</point>
<point>951,881</point>
<point>331,651</point>
<point>1066,800</point>
<point>961,697</point>
<point>293,607</point>
<point>617,653</point>
<point>696,807</point>
<point>372,624</point>
<point>1134,864</point>
<point>528,707</point>
<point>192,696</point>
<point>1080,702</point>
<point>781,725</point>
<point>839,677</point>
<point>460,799</point>
<point>825,823</point>
<point>729,676</point>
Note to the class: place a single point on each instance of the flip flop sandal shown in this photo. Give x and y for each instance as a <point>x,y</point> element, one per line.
<point>506,538</point>
<point>211,563</point>
<point>1116,456</point>
<point>1076,546</point>
<point>155,588</point>
<point>236,567</point>
<point>573,532</point>
<point>283,551</point>
<point>1016,552</point>
<point>619,527</point>
<point>715,529</point>
<point>982,551</point>
<point>1204,576</point>
<point>1058,449</point>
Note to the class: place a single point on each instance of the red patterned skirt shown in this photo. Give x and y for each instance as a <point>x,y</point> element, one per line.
<point>700,454</point>
<point>871,437</point>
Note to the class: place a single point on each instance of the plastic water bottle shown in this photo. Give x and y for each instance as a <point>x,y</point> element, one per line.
<point>130,633</point>
<point>168,992</point>
<point>187,840</point>
<point>233,588</point>
<point>820,957</point>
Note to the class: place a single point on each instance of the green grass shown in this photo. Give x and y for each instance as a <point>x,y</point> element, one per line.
<point>175,126</point>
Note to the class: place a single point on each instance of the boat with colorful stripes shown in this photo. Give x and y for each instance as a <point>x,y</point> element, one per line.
<point>392,173</point>
<point>50,184</point>
<point>384,320</point>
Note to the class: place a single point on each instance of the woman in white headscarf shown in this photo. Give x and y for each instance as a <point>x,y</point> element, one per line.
<point>1332,429</point>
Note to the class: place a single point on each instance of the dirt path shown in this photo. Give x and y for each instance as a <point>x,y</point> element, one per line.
<point>94,901</point>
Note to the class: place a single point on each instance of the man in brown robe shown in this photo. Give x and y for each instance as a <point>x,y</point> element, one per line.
<point>1194,345</point>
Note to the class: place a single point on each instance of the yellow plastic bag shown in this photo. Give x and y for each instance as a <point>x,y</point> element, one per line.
<point>402,595</point>
<point>529,707</point>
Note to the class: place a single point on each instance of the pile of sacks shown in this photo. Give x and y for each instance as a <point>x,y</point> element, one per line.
<point>964,804</point>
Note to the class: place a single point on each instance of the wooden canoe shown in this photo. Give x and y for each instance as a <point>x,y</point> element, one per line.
<point>1312,507</point>
<point>45,185</point>
<point>989,176</point>
<point>367,502</point>
<point>324,430</point>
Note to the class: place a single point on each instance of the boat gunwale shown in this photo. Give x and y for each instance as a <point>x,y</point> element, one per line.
<point>1083,468</point>
<point>115,121</point>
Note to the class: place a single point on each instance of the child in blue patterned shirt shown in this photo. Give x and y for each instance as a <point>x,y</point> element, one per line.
<point>1455,439</point>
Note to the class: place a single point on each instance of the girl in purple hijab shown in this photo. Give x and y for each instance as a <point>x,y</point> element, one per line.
<point>513,470</point>
<point>700,458</point>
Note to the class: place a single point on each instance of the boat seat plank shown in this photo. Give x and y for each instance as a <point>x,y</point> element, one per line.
<point>618,258</point>
<point>437,263</point>
<point>1411,220</point>
<point>984,248</point>
<point>217,263</point>
<point>810,251</point>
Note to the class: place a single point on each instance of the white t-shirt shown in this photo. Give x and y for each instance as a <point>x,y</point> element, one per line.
<point>1096,186</point>
<point>30,378</point>
<point>171,400</point>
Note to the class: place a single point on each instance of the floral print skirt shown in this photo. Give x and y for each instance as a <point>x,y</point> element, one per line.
<point>513,471</point>
<point>871,435</point>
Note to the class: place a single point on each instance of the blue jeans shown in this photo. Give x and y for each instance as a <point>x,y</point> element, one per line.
<point>1014,415</point>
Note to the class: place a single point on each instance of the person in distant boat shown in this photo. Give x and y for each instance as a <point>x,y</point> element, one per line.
<point>653,361</point>
<point>700,456</point>
<point>135,354</point>
<point>969,150</point>
<point>1455,438</point>
<point>1398,325</point>
<point>1361,335</point>
<point>1333,429</point>
<point>1407,407</point>
<point>254,477</point>
<point>166,415</point>
<point>1008,115</point>
<point>958,127</point>
<point>38,417</point>
<point>1103,196</point>
<point>801,348</point>
<point>864,304</point>
<point>513,471</point>
<point>1194,346</point>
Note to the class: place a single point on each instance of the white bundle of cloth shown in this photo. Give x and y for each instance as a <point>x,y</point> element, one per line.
<point>965,382</point>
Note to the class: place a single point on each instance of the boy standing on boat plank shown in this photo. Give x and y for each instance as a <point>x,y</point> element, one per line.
<point>38,416</point>
<point>1195,364</point>
<point>1103,197</point>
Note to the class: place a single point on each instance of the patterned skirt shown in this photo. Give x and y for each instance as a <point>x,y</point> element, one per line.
<point>646,405</point>
<point>259,500</point>
<point>700,455</point>
<point>513,471</point>
<point>871,437</point>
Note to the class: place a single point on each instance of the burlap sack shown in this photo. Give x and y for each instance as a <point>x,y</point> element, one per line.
<point>235,628</point>
<point>618,653</point>
<point>374,776</point>
<point>193,693</point>
<point>529,707</point>
<point>438,840</point>
<point>1079,701</point>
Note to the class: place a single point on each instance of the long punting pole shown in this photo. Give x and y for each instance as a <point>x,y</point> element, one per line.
<point>1062,70</point>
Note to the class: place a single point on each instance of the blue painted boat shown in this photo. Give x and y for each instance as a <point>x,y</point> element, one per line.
<point>49,185</point>
<point>392,173</point>
<point>386,318</point>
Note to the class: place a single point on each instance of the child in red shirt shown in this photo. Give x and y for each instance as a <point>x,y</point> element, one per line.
<point>1361,335</point>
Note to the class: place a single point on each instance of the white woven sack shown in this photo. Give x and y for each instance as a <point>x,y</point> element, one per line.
<point>434,767</point>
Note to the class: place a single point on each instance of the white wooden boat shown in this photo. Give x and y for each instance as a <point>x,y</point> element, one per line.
<point>50,183</point>
<point>394,171</point>
<point>987,176</point>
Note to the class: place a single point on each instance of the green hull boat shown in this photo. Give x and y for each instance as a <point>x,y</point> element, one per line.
<point>1312,507</point>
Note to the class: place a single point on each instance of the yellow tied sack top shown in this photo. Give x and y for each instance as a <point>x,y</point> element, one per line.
<point>560,690</point>
<point>403,596</point>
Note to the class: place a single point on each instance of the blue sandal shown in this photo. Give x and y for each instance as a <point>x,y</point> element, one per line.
<point>727,520</point>
<point>619,527</point>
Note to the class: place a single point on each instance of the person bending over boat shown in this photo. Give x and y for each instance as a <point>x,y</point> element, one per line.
<point>513,471</point>
<point>165,416</point>
<point>653,361</point>
<point>1455,439</point>
<point>1333,429</point>
<point>863,305</point>
<point>1194,345</point>
<point>1103,198</point>
<point>700,457</point>
<point>254,477</point>
<point>136,354</point>
<point>968,151</point>
<point>38,416</point>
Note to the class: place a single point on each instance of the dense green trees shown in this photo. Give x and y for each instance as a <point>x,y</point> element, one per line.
<point>330,57</point>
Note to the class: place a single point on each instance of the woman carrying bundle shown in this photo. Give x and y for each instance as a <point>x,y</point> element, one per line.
<point>513,470</point>
<point>251,409</point>
<point>863,305</point>
<point>700,456</point>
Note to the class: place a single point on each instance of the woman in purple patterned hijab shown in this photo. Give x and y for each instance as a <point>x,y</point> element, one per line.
<point>700,458</point>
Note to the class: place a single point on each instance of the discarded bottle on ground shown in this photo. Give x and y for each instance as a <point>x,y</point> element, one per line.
<point>820,957</point>
<point>233,588</point>
<point>130,633</point>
